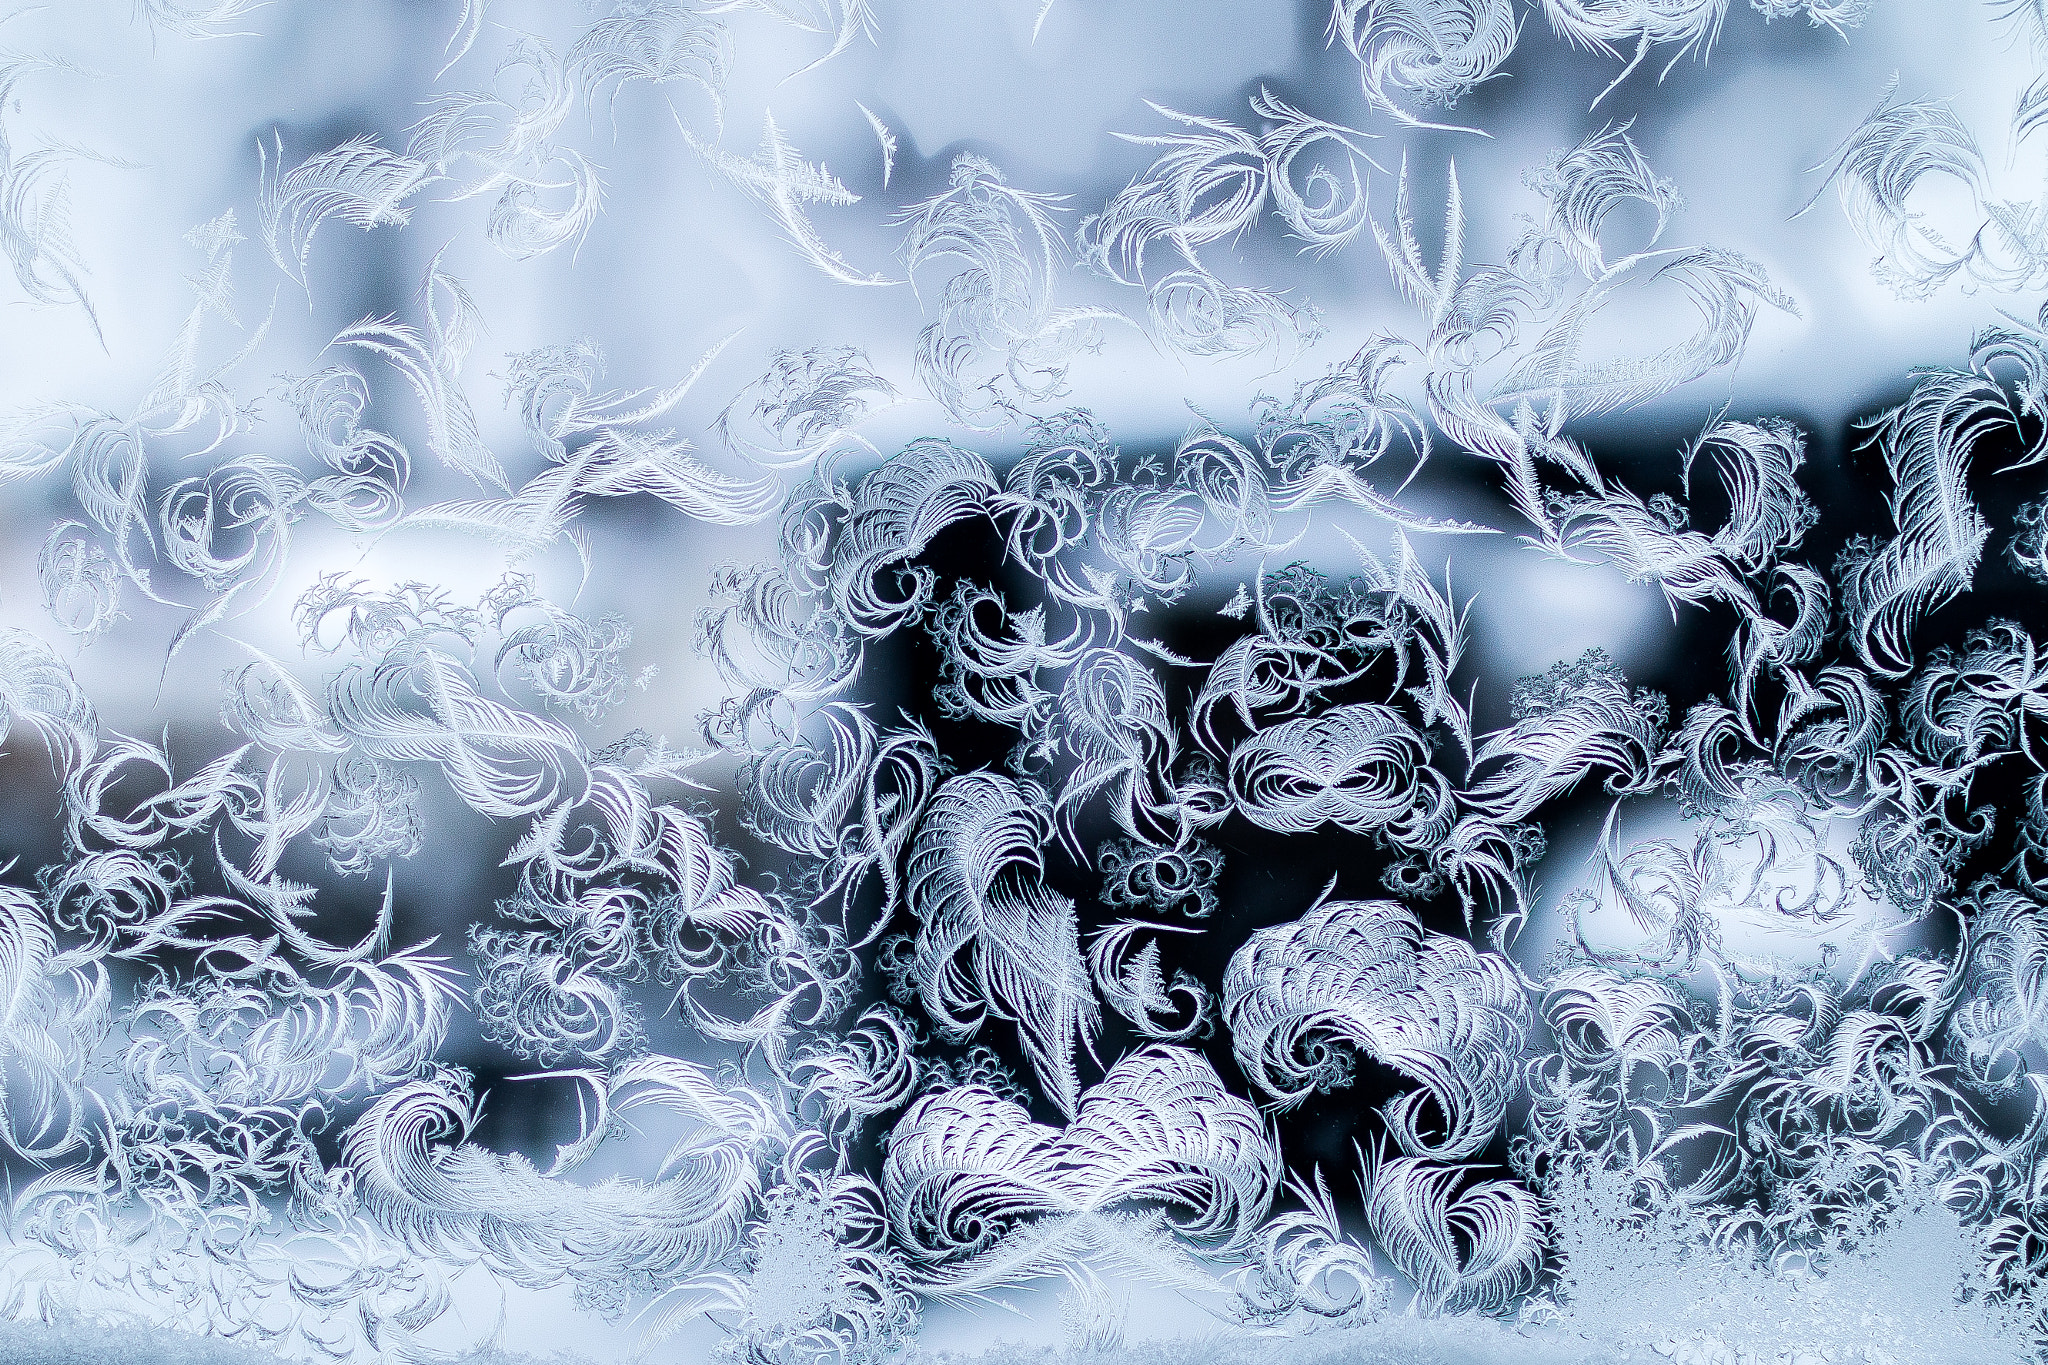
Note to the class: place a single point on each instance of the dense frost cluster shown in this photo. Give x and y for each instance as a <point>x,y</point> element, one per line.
<point>609,725</point>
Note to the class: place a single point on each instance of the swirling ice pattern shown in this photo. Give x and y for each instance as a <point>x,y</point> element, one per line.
<point>400,913</point>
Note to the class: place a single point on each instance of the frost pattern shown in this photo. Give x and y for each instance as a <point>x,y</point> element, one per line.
<point>938,919</point>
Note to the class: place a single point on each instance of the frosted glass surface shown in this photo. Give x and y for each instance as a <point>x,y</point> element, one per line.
<point>813,681</point>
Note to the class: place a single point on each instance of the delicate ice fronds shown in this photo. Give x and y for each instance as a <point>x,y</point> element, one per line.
<point>35,213</point>
<point>543,1005</point>
<point>39,693</point>
<point>537,1230</point>
<point>430,359</point>
<point>851,802</point>
<point>56,1012</point>
<point>766,639</point>
<point>201,18</point>
<point>1113,717</point>
<point>1136,876</point>
<point>1723,288</point>
<point>621,462</point>
<point>378,623</point>
<point>1318,637</point>
<point>1508,398</point>
<point>871,1070</point>
<point>973,883</point>
<point>1473,1248</point>
<point>1926,442</point>
<point>1768,512</point>
<point>884,138</point>
<point>1972,706</point>
<point>251,1057</point>
<point>1839,15</point>
<point>555,391</point>
<point>1134,985</point>
<point>372,814</point>
<point>81,583</point>
<point>1647,539</point>
<point>659,42</point>
<point>358,182</point>
<point>1196,314</point>
<point>981,1196</point>
<point>523,164</point>
<point>421,704</point>
<point>1611,1025</point>
<point>1214,183</point>
<point>891,517</point>
<point>803,405</point>
<point>1908,158</point>
<point>1759,853</point>
<point>1890,155</point>
<point>1568,723</point>
<point>1588,183</point>
<point>1648,542</point>
<point>331,406</point>
<point>1438,51</point>
<point>991,670</point>
<point>841,20</point>
<point>1363,768</point>
<point>1340,424</point>
<point>1609,25</point>
<point>2027,550</point>
<point>786,183</point>
<point>1306,1264</point>
<point>2006,1010</point>
<point>997,305</point>
<point>1365,975</point>
<point>467,25</point>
